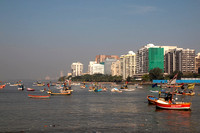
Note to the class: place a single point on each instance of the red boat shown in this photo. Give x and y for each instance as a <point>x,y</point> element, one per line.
<point>30,89</point>
<point>2,86</point>
<point>39,96</point>
<point>170,105</point>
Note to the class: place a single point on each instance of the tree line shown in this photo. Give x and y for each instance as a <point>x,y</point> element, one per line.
<point>154,74</point>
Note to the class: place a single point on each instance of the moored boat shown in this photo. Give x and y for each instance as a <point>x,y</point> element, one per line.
<point>30,89</point>
<point>66,93</point>
<point>21,87</point>
<point>152,99</point>
<point>38,96</point>
<point>116,90</point>
<point>173,105</point>
<point>2,86</point>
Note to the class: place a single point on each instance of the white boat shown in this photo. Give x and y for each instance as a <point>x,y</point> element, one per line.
<point>128,89</point>
<point>116,90</point>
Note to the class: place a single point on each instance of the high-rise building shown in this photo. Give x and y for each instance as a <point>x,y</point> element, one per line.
<point>170,61</point>
<point>101,58</point>
<point>156,58</point>
<point>94,68</point>
<point>116,68</point>
<point>90,67</point>
<point>98,68</point>
<point>197,63</point>
<point>107,65</point>
<point>128,64</point>
<point>149,57</point>
<point>77,69</point>
<point>180,59</point>
<point>185,60</point>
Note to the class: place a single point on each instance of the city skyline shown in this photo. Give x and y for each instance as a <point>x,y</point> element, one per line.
<point>40,38</point>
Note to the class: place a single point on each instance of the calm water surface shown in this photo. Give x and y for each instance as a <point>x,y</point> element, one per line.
<point>85,111</point>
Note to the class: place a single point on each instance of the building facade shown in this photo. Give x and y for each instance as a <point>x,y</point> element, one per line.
<point>107,65</point>
<point>197,63</point>
<point>170,61</point>
<point>149,57</point>
<point>90,67</point>
<point>77,69</point>
<point>128,64</point>
<point>98,69</point>
<point>101,58</point>
<point>116,68</point>
<point>156,58</point>
<point>185,60</point>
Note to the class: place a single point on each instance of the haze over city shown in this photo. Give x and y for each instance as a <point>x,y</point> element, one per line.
<point>40,38</point>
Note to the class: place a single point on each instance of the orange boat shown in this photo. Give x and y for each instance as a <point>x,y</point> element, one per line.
<point>67,93</point>
<point>39,96</point>
<point>152,99</point>
<point>176,105</point>
<point>2,86</point>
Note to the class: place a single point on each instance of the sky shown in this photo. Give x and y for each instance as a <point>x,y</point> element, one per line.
<point>40,38</point>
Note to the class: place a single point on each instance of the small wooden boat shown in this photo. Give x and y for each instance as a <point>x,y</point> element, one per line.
<point>61,93</point>
<point>30,89</point>
<point>116,90</point>
<point>188,94</point>
<point>20,87</point>
<point>124,87</point>
<point>2,86</point>
<point>38,96</point>
<point>128,89</point>
<point>175,106</point>
<point>152,99</point>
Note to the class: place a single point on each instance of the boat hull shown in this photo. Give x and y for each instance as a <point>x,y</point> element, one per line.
<point>60,93</point>
<point>39,96</point>
<point>151,99</point>
<point>30,89</point>
<point>175,106</point>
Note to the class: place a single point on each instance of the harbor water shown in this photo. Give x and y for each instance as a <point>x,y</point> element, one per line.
<point>91,112</point>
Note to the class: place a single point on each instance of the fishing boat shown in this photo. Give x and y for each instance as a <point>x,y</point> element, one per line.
<point>38,84</point>
<point>173,105</point>
<point>38,96</point>
<point>30,89</point>
<point>124,87</point>
<point>64,93</point>
<point>152,99</point>
<point>170,103</point>
<point>115,90</point>
<point>14,84</point>
<point>21,87</point>
<point>2,86</point>
<point>128,89</point>
<point>188,93</point>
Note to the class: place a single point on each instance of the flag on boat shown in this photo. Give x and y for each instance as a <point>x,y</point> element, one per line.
<point>173,81</point>
<point>191,86</point>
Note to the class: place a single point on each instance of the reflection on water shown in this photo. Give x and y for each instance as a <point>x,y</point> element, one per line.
<point>85,111</point>
<point>175,119</point>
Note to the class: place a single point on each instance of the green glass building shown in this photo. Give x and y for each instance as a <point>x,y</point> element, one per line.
<point>156,58</point>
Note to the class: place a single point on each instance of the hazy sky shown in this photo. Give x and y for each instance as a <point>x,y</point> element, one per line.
<point>43,37</point>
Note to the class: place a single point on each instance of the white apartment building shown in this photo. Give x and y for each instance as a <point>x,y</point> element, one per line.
<point>90,67</point>
<point>128,64</point>
<point>94,68</point>
<point>116,68</point>
<point>77,69</point>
